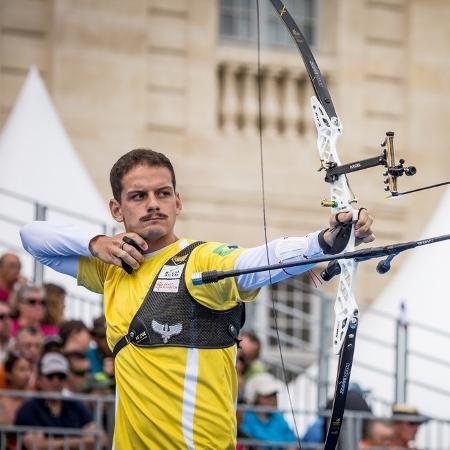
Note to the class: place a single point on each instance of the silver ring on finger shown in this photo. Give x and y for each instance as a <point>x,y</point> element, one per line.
<point>122,244</point>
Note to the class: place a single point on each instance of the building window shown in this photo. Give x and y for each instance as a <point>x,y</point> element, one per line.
<point>296,317</point>
<point>238,22</point>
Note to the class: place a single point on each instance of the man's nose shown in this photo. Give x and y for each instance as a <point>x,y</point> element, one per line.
<point>152,202</point>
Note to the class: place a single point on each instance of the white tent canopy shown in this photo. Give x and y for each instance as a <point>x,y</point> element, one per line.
<point>421,284</point>
<point>38,162</point>
<point>38,159</point>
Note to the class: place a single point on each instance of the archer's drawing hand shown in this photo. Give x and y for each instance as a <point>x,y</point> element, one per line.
<point>113,249</point>
<point>363,227</point>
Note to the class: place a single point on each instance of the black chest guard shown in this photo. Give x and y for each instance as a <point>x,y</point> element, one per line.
<point>170,316</point>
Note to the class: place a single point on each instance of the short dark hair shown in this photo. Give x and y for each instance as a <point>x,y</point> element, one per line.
<point>54,289</point>
<point>70,327</point>
<point>136,157</point>
<point>11,358</point>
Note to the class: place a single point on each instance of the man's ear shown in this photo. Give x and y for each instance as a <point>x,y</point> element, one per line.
<point>179,203</point>
<point>116,210</point>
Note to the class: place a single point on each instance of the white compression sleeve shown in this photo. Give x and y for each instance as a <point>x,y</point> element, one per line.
<point>280,250</point>
<point>57,245</point>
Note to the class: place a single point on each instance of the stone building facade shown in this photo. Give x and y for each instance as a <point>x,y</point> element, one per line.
<point>156,73</point>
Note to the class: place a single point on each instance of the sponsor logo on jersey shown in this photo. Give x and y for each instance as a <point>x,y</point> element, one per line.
<point>179,259</point>
<point>171,272</point>
<point>225,249</point>
<point>166,285</point>
<point>140,336</point>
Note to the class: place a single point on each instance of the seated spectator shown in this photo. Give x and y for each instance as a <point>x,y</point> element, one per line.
<point>355,401</point>
<point>101,385</point>
<point>379,435</point>
<point>56,299</point>
<point>406,421</point>
<point>55,413</point>
<point>17,373</point>
<point>75,336</point>
<point>9,275</point>
<point>30,342</point>
<point>5,329</point>
<point>100,355</point>
<point>30,308</point>
<point>261,390</point>
<point>249,351</point>
<point>79,369</point>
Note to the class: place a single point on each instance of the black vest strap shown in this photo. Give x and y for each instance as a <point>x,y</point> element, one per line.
<point>170,316</point>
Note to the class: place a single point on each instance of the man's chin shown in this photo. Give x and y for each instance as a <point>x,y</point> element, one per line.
<point>152,235</point>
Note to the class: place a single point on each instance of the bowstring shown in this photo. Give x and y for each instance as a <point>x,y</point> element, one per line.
<point>263,197</point>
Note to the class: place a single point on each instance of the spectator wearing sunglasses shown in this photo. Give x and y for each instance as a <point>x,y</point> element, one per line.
<point>79,370</point>
<point>54,413</point>
<point>5,329</point>
<point>30,306</point>
<point>17,374</point>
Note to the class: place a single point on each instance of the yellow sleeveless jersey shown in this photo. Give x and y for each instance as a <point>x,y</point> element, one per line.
<point>170,397</point>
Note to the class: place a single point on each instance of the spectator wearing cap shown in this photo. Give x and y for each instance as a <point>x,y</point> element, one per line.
<point>54,413</point>
<point>9,275</point>
<point>269,426</point>
<point>355,401</point>
<point>5,329</point>
<point>99,354</point>
<point>30,306</point>
<point>406,421</point>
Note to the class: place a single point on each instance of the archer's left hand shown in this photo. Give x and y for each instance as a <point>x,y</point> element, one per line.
<point>363,230</point>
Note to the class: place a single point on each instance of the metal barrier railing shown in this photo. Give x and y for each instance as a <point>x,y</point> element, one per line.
<point>433,435</point>
<point>17,210</point>
<point>13,437</point>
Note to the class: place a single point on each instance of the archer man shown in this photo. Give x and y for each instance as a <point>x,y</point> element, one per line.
<point>174,343</point>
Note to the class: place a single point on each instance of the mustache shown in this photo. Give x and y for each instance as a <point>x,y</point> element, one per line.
<point>153,216</point>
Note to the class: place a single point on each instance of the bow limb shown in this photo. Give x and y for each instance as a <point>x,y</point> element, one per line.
<point>342,199</point>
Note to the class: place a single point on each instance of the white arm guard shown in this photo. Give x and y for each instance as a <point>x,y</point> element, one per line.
<point>281,250</point>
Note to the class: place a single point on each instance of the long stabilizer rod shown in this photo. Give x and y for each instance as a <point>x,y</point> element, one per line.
<point>364,254</point>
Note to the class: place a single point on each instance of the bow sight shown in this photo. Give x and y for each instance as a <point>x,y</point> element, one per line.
<point>386,159</point>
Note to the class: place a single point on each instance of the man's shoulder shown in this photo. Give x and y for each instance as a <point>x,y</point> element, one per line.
<point>218,248</point>
<point>30,412</point>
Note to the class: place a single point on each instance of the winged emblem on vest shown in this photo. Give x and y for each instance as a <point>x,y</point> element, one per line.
<point>165,330</point>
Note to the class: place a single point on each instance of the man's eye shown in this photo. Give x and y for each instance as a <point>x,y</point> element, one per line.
<point>165,193</point>
<point>137,196</point>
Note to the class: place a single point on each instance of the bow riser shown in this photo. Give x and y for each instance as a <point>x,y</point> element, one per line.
<point>328,132</point>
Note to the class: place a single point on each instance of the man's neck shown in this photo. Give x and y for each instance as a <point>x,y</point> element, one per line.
<point>159,244</point>
<point>55,406</point>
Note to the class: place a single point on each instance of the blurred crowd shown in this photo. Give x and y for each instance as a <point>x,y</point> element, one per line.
<point>43,352</point>
<point>258,416</point>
